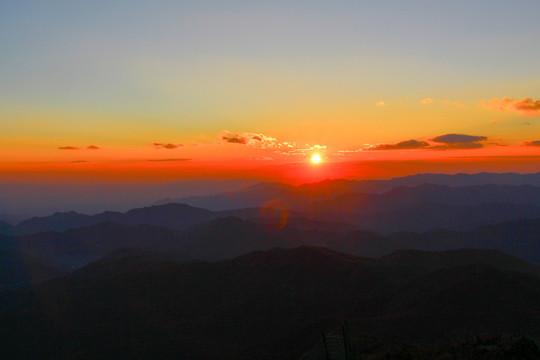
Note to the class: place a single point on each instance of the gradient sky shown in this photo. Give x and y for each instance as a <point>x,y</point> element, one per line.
<point>164,90</point>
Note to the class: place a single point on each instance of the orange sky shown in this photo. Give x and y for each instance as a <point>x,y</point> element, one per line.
<point>254,89</point>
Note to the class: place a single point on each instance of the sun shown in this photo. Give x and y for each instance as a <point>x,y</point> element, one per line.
<point>315,158</point>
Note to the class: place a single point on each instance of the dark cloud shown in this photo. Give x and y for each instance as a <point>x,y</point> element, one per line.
<point>403,145</point>
<point>533,143</point>
<point>458,139</point>
<point>166,160</point>
<point>168,146</point>
<point>444,142</point>
<point>456,146</point>
<point>257,137</point>
<point>68,148</point>
<point>235,139</point>
<point>93,147</point>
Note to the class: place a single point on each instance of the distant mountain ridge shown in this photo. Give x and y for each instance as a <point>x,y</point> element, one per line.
<point>298,196</point>
<point>175,216</point>
<point>420,208</point>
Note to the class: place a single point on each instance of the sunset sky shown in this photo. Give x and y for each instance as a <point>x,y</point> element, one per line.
<point>168,90</point>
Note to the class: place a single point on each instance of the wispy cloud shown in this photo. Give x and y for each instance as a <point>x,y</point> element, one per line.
<point>525,106</point>
<point>253,139</point>
<point>403,145</point>
<point>89,147</point>
<point>168,146</point>
<point>532,143</point>
<point>427,101</point>
<point>168,160</point>
<point>235,139</point>
<point>454,102</point>
<point>263,141</point>
<point>381,103</point>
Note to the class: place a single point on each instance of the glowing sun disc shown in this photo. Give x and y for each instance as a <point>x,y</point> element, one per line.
<point>315,158</point>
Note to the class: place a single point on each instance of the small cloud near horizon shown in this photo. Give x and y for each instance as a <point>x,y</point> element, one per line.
<point>89,147</point>
<point>532,143</point>
<point>235,139</point>
<point>458,141</point>
<point>262,141</point>
<point>168,146</point>
<point>403,145</point>
<point>427,101</point>
<point>167,160</point>
<point>381,103</point>
<point>525,106</point>
<point>249,138</point>
<point>454,102</point>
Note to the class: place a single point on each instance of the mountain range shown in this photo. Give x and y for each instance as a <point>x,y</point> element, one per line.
<point>225,238</point>
<point>266,304</point>
<point>421,208</point>
<point>425,261</point>
<point>284,195</point>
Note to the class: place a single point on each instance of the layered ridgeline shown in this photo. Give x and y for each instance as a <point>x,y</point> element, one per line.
<point>421,208</point>
<point>224,238</point>
<point>413,203</point>
<point>500,215</point>
<point>267,304</point>
<point>429,217</point>
<point>401,260</point>
<point>300,196</point>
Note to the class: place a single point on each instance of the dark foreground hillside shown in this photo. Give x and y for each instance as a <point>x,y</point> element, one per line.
<point>267,304</point>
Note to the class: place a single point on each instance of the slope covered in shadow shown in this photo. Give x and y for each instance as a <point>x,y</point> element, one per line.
<point>224,238</point>
<point>519,237</point>
<point>230,309</point>
<point>20,269</point>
